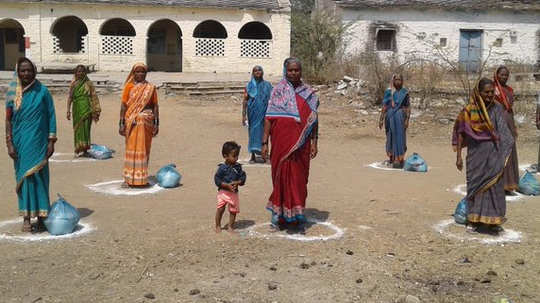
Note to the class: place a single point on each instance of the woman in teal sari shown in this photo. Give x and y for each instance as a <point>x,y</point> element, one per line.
<point>395,119</point>
<point>30,138</point>
<point>82,95</point>
<point>255,103</point>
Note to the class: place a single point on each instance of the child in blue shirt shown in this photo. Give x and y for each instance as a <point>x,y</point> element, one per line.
<point>227,178</point>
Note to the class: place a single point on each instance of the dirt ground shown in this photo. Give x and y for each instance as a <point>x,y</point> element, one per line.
<point>163,246</point>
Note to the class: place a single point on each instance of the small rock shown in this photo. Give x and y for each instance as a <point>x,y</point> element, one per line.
<point>348,79</point>
<point>407,299</point>
<point>342,86</point>
<point>485,280</point>
<point>466,260</point>
<point>444,121</point>
<point>460,283</point>
<point>520,262</point>
<point>350,252</point>
<point>194,292</point>
<point>359,281</point>
<point>176,290</point>
<point>491,273</point>
<point>304,266</point>
<point>390,254</point>
<point>241,274</point>
<point>273,268</point>
<point>364,112</point>
<point>150,296</point>
<point>272,286</point>
<point>313,263</point>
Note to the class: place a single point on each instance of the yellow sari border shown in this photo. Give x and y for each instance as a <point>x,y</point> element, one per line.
<point>474,218</point>
<point>30,172</point>
<point>33,213</point>
<point>496,179</point>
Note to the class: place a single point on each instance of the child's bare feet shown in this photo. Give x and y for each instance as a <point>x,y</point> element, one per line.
<point>218,229</point>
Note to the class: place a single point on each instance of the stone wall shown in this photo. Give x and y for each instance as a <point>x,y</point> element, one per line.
<point>38,19</point>
<point>418,30</point>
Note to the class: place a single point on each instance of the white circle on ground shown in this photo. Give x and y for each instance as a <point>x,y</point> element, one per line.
<point>115,188</point>
<point>338,233</point>
<point>245,163</point>
<point>68,158</point>
<point>382,166</point>
<point>507,236</point>
<point>81,229</point>
<point>462,190</point>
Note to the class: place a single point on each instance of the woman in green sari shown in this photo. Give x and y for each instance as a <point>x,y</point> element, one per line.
<point>30,138</point>
<point>82,95</point>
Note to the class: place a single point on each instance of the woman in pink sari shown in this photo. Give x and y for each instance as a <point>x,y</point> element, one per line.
<point>292,126</point>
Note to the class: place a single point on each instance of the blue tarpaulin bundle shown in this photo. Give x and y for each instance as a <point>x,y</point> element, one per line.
<point>168,176</point>
<point>100,152</point>
<point>460,214</point>
<point>415,163</point>
<point>63,218</point>
<point>528,185</point>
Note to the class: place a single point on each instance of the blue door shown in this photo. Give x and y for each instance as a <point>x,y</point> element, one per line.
<point>470,50</point>
<point>2,51</point>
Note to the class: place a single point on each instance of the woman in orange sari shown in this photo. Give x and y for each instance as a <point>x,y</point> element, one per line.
<point>139,123</point>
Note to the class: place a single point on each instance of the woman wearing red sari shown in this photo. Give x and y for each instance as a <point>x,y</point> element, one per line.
<point>292,126</point>
<point>504,94</point>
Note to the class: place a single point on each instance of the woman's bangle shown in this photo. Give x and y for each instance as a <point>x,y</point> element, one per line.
<point>156,122</point>
<point>122,122</point>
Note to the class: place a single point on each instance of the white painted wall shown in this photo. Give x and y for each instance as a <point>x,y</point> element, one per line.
<point>438,24</point>
<point>38,18</point>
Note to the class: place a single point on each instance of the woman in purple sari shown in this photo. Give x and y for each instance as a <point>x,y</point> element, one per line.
<point>481,128</point>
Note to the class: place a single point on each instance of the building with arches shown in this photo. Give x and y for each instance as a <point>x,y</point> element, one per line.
<point>169,35</point>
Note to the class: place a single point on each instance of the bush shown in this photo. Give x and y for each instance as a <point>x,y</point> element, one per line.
<point>318,40</point>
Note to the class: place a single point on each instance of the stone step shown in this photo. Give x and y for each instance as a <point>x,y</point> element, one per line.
<point>215,92</point>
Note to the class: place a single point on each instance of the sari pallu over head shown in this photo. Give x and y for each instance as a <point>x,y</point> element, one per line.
<point>282,104</point>
<point>139,96</point>
<point>393,98</point>
<point>474,121</point>
<point>500,94</point>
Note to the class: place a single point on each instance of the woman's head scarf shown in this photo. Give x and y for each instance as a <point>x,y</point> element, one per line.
<point>283,100</point>
<point>131,77</point>
<point>15,91</point>
<point>251,88</point>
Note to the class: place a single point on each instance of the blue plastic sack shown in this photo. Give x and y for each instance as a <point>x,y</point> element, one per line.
<point>460,214</point>
<point>529,185</point>
<point>63,218</point>
<point>168,176</point>
<point>415,163</point>
<point>100,152</point>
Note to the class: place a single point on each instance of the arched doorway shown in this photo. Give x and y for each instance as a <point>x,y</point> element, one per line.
<point>12,43</point>
<point>164,46</point>
<point>70,35</point>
